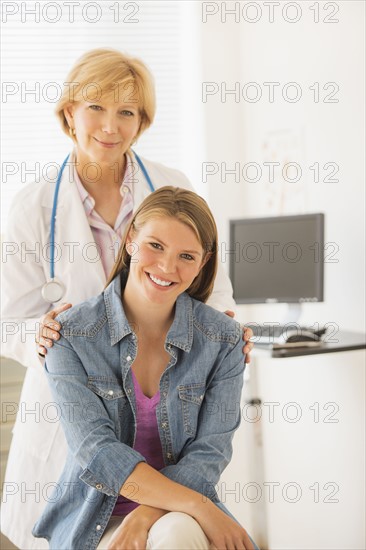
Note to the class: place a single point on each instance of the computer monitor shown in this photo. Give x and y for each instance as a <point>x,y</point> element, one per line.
<point>277,259</point>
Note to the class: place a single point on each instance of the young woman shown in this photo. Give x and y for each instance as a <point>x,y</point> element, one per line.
<point>108,103</point>
<point>140,376</point>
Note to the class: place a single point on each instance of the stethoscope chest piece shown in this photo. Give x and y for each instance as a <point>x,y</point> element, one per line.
<point>52,291</point>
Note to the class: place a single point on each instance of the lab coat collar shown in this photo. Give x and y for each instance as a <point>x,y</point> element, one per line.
<point>68,189</point>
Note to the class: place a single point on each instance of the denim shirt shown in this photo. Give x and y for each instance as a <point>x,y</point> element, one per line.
<point>89,371</point>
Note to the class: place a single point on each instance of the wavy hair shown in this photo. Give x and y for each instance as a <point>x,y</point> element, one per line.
<point>113,75</point>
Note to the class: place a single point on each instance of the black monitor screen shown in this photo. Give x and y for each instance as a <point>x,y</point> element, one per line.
<point>278,259</point>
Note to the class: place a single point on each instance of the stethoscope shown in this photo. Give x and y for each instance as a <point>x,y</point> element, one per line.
<point>53,290</point>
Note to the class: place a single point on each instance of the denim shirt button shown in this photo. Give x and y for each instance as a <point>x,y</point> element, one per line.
<point>99,486</point>
<point>168,455</point>
<point>111,392</point>
<point>98,527</point>
<point>128,391</point>
<point>128,358</point>
<point>164,394</point>
<point>164,424</point>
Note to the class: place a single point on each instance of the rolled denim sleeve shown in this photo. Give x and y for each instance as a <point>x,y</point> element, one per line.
<point>106,462</point>
<point>202,461</point>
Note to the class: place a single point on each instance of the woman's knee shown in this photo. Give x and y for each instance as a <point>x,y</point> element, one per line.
<point>177,531</point>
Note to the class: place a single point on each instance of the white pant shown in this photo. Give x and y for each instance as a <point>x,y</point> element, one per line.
<point>174,531</point>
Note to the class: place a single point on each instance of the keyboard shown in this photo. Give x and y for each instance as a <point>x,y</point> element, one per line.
<point>277,334</point>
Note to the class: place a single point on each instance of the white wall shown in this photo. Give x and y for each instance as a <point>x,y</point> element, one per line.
<point>304,132</point>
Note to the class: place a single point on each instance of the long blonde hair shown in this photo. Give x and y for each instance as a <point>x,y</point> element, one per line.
<point>192,210</point>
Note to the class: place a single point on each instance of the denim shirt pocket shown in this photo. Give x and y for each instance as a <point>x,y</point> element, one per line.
<point>191,397</point>
<point>111,393</point>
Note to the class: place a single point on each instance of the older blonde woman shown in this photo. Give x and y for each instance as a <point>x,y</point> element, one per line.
<point>108,102</point>
<point>146,364</point>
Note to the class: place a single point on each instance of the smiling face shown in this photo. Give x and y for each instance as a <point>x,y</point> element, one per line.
<point>104,129</point>
<point>166,257</point>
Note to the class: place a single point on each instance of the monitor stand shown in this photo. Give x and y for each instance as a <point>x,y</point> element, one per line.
<point>293,313</point>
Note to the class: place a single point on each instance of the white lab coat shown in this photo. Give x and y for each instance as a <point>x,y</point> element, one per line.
<point>38,447</point>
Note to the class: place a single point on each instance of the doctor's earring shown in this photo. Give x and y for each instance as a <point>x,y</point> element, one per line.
<point>72,132</point>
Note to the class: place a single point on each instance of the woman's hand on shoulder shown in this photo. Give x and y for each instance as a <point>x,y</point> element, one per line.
<point>134,530</point>
<point>49,329</point>
<point>247,334</point>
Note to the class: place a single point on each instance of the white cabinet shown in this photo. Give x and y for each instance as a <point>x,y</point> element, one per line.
<point>297,479</point>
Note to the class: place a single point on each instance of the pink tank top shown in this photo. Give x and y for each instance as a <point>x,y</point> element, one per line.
<point>147,440</point>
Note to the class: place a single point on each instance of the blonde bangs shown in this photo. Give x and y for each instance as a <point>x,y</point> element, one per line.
<point>107,74</point>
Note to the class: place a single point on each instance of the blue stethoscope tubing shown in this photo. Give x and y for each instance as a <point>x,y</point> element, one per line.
<point>53,290</point>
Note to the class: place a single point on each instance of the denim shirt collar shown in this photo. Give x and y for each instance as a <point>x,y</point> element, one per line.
<point>180,333</point>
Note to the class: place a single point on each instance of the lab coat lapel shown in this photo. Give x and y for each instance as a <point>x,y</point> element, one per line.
<point>141,188</point>
<point>72,226</point>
